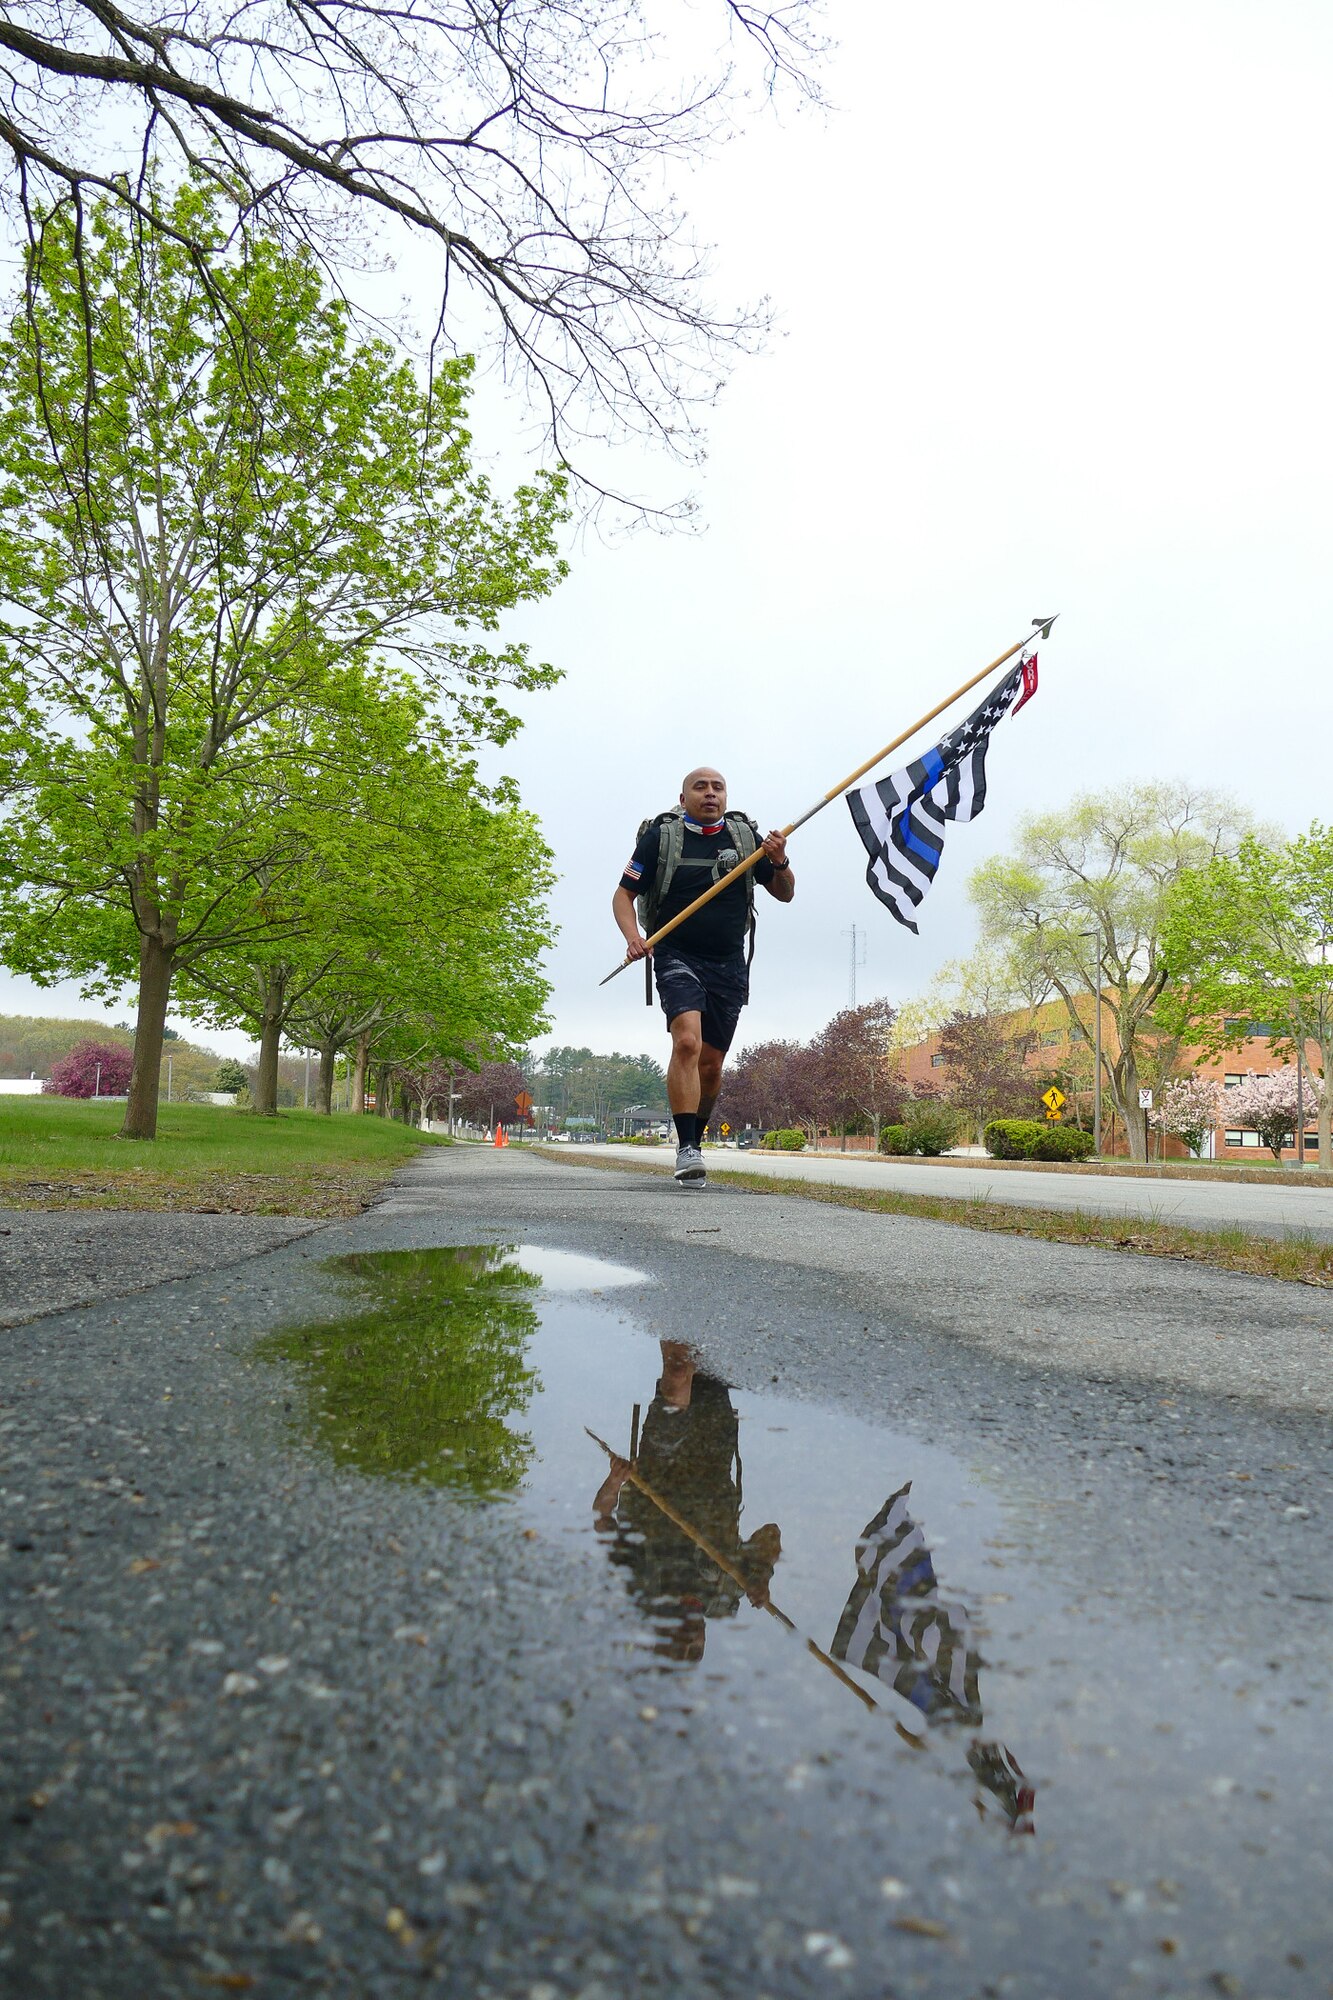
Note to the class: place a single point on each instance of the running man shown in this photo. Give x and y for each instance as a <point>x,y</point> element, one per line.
<point>702,969</point>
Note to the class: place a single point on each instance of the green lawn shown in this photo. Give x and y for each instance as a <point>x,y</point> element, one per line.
<point>60,1152</point>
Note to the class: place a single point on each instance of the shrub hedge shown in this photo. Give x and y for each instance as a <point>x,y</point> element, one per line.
<point>1035,1139</point>
<point>931,1127</point>
<point>785,1140</point>
<point>895,1139</point>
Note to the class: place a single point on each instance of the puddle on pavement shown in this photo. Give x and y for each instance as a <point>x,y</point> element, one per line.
<point>475,1369</point>
<point>914,1585</point>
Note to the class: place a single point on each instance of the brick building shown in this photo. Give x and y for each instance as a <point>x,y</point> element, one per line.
<point>1060,1048</point>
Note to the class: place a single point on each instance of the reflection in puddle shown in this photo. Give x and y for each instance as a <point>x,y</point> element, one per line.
<point>674,1509</point>
<point>684,1567</point>
<point>567,1271</point>
<point>444,1371</point>
<point>421,1378</point>
<point>897,1626</point>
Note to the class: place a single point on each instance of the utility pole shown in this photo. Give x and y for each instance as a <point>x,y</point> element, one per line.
<point>307,1081</point>
<point>1096,937</point>
<point>856,958</point>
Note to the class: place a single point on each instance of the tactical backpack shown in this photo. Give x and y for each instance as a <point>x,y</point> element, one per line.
<point>744,834</point>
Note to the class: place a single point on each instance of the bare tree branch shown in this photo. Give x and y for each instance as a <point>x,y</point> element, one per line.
<point>526,140</point>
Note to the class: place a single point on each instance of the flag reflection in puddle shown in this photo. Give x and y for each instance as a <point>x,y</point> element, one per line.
<point>671,1513</point>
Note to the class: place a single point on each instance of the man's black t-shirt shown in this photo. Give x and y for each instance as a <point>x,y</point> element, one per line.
<point>718,929</point>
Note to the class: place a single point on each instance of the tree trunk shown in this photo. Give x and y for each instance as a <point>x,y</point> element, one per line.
<point>156,965</point>
<point>328,1056</point>
<point>1125,1089</point>
<point>360,1063</point>
<point>273,988</point>
<point>383,1078</point>
<point>1324,1105</point>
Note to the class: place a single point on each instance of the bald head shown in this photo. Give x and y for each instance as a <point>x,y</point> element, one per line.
<point>704,794</point>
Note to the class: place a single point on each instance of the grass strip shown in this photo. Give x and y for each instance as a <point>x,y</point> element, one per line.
<point>59,1153</point>
<point>1260,1174</point>
<point>1298,1259</point>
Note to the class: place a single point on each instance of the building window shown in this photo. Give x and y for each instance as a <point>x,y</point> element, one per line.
<point>1232,1079</point>
<point>938,1062</point>
<point>1243,1139</point>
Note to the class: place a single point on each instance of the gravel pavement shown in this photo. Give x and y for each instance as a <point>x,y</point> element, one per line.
<point>1283,1210</point>
<point>267,1725</point>
<point>51,1261</point>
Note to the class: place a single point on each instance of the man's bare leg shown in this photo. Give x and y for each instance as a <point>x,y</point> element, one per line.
<point>710,1083</point>
<point>683,1070</point>
<point>683,1097</point>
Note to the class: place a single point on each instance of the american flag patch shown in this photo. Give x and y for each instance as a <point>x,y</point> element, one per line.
<point>634,869</point>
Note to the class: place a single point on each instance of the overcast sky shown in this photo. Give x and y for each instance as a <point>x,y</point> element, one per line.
<point>1055,337</point>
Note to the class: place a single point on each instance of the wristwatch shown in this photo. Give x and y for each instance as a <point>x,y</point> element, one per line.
<point>779,866</point>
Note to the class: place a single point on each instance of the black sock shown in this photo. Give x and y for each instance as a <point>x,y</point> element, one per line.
<point>687,1127</point>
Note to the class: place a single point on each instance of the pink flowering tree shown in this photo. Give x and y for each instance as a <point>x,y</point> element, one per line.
<point>91,1069</point>
<point>1188,1109</point>
<point>1267,1105</point>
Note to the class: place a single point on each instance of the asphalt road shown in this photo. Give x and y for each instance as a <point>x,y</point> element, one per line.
<point>272,1723</point>
<point>1267,1211</point>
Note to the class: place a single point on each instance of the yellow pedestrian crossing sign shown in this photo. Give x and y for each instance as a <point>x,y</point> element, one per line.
<point>1053,1099</point>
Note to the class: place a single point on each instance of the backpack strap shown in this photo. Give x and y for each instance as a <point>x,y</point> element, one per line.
<point>745,834</point>
<point>670,844</point>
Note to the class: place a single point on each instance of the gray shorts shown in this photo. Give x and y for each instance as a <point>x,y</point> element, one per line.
<point>716,988</point>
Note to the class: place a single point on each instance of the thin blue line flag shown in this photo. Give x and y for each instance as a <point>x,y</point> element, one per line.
<point>901,819</point>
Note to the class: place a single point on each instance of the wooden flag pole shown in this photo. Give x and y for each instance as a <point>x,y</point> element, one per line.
<point>1042,631</point>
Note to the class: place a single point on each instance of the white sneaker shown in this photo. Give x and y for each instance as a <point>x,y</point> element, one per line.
<point>690,1169</point>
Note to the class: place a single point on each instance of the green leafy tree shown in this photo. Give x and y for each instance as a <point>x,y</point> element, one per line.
<point>442,941</point>
<point>573,1082</point>
<point>1249,938</point>
<point>1091,883</point>
<point>414,892</point>
<point>217,509</point>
